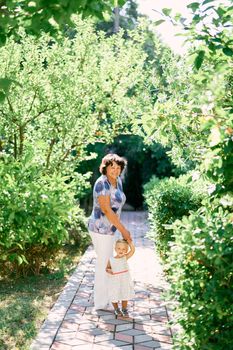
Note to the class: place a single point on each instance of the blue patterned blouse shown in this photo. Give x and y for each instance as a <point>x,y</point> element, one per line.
<point>98,221</point>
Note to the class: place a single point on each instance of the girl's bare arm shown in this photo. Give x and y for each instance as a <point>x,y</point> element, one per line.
<point>132,250</point>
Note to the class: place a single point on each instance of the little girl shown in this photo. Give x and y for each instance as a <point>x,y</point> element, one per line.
<point>120,285</point>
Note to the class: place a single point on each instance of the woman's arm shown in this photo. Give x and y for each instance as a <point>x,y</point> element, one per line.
<point>105,206</point>
<point>132,250</point>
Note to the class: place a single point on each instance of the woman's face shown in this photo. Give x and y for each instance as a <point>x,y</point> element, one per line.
<point>113,170</point>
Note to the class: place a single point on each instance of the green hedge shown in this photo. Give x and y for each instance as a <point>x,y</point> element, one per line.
<point>36,211</point>
<point>170,199</point>
<point>201,272</point>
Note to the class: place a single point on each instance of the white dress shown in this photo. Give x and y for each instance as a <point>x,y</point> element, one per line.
<point>120,284</point>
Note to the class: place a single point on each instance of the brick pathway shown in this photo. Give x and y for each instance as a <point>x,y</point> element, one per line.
<point>74,324</point>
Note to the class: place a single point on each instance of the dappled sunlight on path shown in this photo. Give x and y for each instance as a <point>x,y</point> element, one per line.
<point>73,323</point>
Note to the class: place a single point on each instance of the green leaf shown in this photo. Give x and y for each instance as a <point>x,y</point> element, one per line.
<point>206,2</point>
<point>2,39</point>
<point>178,16</point>
<point>208,8</point>
<point>227,51</point>
<point>2,96</point>
<point>197,18</point>
<point>5,84</point>
<point>121,2</point>
<point>175,130</point>
<point>199,59</point>
<point>157,23</point>
<point>20,260</point>
<point>220,11</point>
<point>166,11</point>
<point>212,47</point>
<point>193,6</point>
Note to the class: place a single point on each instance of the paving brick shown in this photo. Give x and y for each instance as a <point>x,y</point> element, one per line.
<point>142,318</point>
<point>149,322</point>
<point>159,318</point>
<point>112,343</point>
<point>123,327</point>
<point>165,347</point>
<point>100,347</point>
<point>62,337</point>
<point>87,326</point>
<point>106,327</point>
<point>157,329</point>
<point>76,320</point>
<point>95,331</point>
<point>151,344</point>
<point>142,338</point>
<point>141,347</point>
<point>88,337</point>
<point>133,332</point>
<point>77,308</point>
<point>60,346</point>
<point>84,346</point>
<point>139,326</point>
<point>141,295</point>
<point>107,317</point>
<point>82,302</point>
<point>117,321</point>
<point>124,337</point>
<point>89,317</point>
<point>162,338</point>
<point>103,337</point>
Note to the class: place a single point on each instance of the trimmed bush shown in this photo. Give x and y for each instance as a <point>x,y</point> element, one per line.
<point>200,265</point>
<point>36,210</point>
<point>170,199</point>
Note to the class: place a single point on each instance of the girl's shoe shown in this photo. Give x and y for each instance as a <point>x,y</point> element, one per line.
<point>117,312</point>
<point>125,313</point>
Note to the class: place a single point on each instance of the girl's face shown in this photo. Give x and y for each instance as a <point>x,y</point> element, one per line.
<point>113,170</point>
<point>121,249</point>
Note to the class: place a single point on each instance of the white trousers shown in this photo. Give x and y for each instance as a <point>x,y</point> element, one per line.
<point>103,246</point>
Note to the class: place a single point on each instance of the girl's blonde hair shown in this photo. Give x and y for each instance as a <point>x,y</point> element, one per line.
<point>122,241</point>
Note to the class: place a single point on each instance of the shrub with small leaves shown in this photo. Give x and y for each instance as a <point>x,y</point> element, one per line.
<point>36,209</point>
<point>200,265</point>
<point>170,199</point>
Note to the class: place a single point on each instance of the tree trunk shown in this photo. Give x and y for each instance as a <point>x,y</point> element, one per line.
<point>116,17</point>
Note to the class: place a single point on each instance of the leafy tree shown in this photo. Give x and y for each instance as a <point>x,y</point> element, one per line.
<point>47,16</point>
<point>58,96</point>
<point>198,121</point>
<point>71,94</point>
<point>128,19</point>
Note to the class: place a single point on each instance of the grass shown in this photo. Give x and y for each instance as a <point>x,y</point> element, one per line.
<point>26,301</point>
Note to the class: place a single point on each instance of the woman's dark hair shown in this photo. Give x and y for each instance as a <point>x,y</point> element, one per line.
<point>109,159</point>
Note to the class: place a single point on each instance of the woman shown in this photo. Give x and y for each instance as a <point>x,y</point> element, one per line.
<point>108,200</point>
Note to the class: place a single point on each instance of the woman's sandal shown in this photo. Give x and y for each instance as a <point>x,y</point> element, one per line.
<point>125,313</point>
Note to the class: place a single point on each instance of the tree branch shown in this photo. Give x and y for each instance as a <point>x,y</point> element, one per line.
<point>33,100</point>
<point>46,109</point>
<point>15,146</point>
<point>63,158</point>
<point>21,139</point>
<point>52,143</point>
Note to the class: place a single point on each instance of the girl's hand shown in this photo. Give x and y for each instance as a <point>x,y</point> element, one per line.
<point>108,270</point>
